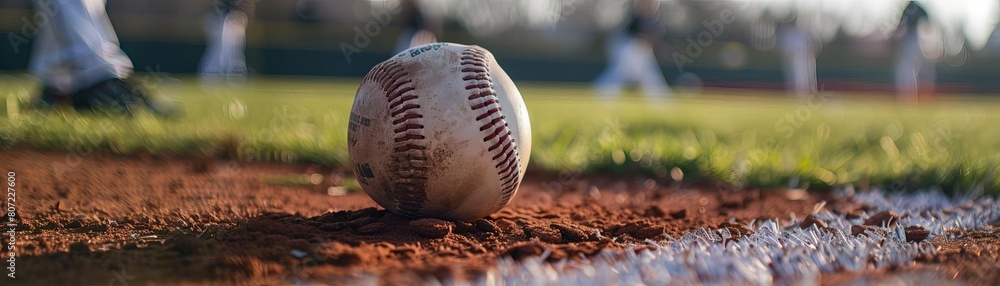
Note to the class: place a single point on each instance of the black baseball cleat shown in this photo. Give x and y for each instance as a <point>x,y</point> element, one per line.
<point>117,97</point>
<point>50,98</point>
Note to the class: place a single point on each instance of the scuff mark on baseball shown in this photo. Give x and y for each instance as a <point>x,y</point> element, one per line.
<point>441,131</point>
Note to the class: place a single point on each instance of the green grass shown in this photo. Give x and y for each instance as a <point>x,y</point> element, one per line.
<point>741,138</point>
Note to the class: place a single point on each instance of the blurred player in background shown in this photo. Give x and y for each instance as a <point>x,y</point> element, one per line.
<point>799,51</point>
<point>915,74</point>
<point>225,27</point>
<point>419,29</point>
<point>631,57</point>
<point>79,62</point>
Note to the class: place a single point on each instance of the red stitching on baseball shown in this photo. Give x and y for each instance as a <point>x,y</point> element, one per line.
<point>511,177</point>
<point>482,94</point>
<point>408,183</point>
<point>488,125</point>
<point>408,137</point>
<point>500,141</point>
<point>406,117</point>
<point>511,167</point>
<point>475,62</point>
<point>511,172</point>
<point>495,133</point>
<point>484,104</point>
<point>408,127</point>
<point>409,147</point>
<point>475,77</point>
<point>409,164</point>
<point>395,87</point>
<point>397,92</point>
<point>405,108</point>
<point>489,112</point>
<point>505,147</point>
<point>394,75</point>
<point>505,158</point>
<point>401,100</point>
<point>481,85</point>
<point>474,69</point>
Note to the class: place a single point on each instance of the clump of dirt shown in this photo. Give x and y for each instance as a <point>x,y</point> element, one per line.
<point>91,219</point>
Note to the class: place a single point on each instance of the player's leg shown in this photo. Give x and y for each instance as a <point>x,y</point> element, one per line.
<point>798,51</point>
<point>404,39</point>
<point>803,71</point>
<point>419,28</point>
<point>80,37</point>
<point>422,37</point>
<point>76,49</point>
<point>907,68</point>
<point>928,78</point>
<point>647,70</point>
<point>211,60</point>
<point>609,83</point>
<point>233,43</point>
<point>91,42</point>
<point>226,28</point>
<point>812,82</point>
<point>48,61</point>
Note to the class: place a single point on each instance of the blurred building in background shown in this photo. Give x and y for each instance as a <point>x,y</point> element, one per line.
<point>711,43</point>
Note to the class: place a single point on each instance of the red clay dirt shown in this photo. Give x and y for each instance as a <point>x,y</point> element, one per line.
<point>106,219</point>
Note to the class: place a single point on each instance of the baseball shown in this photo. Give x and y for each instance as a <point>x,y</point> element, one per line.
<point>439,130</point>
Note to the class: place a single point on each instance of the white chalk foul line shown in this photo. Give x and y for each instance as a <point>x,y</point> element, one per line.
<point>774,253</point>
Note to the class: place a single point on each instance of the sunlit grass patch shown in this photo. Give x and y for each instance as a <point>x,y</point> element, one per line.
<point>740,138</point>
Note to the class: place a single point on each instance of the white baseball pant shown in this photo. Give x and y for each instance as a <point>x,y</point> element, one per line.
<point>77,47</point>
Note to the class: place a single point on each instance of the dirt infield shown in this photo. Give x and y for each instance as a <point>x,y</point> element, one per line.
<point>98,219</point>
